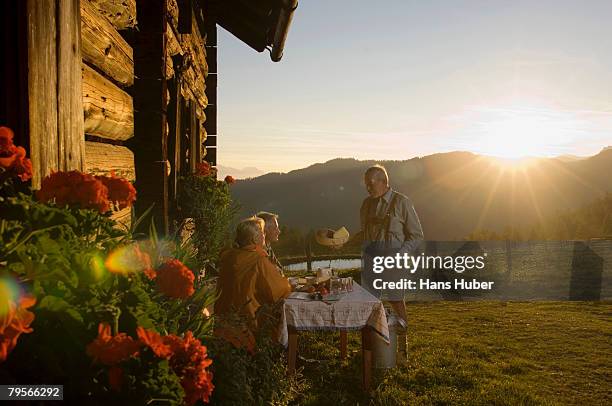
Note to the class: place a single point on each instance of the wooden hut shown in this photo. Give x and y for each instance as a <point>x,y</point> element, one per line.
<point>124,86</point>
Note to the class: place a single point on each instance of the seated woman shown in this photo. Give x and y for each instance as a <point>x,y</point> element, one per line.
<point>247,281</point>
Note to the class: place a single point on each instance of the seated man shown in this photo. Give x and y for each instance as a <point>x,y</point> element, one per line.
<point>271,231</point>
<point>247,278</point>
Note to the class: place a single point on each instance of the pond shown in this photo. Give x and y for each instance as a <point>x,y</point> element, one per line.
<point>334,263</point>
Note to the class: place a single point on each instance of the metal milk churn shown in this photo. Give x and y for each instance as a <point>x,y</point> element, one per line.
<point>385,355</point>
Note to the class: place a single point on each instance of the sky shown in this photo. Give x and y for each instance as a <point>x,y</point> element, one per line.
<point>399,79</point>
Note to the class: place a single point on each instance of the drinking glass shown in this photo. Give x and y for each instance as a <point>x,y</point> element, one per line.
<point>334,284</point>
<point>342,285</point>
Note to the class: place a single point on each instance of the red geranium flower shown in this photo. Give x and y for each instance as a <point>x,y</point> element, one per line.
<point>15,320</point>
<point>150,273</point>
<point>13,158</point>
<point>22,166</point>
<point>120,190</point>
<point>189,362</point>
<point>155,342</point>
<point>6,139</point>
<point>175,280</point>
<point>229,179</point>
<point>203,169</point>
<point>74,189</point>
<point>109,350</point>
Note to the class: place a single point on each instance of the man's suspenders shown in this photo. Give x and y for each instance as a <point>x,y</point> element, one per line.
<point>386,221</point>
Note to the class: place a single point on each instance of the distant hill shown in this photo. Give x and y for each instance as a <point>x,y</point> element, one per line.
<point>569,157</point>
<point>454,193</point>
<point>244,173</point>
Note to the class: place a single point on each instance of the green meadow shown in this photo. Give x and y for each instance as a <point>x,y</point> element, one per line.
<point>475,353</point>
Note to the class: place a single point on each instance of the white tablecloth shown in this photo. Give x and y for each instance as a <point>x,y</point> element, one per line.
<point>353,311</point>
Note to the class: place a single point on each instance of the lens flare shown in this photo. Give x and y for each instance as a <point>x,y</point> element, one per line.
<point>10,293</point>
<point>127,259</point>
<point>98,268</point>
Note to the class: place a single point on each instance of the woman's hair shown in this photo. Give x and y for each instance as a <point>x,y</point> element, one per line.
<point>266,216</point>
<point>248,230</point>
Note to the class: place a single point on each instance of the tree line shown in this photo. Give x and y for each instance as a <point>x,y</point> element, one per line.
<point>593,220</point>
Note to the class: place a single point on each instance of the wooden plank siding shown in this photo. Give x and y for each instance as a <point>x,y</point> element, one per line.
<point>104,47</point>
<point>108,110</point>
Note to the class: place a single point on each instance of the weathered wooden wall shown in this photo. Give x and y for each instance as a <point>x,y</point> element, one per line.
<point>131,102</point>
<point>107,70</point>
<point>186,53</point>
<point>191,46</point>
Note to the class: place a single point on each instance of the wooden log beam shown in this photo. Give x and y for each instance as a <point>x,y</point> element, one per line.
<point>71,142</point>
<point>42,87</point>
<point>109,111</point>
<point>196,85</point>
<point>173,12</point>
<point>174,47</point>
<point>203,134</point>
<point>121,13</point>
<point>102,159</point>
<point>169,72</point>
<point>194,136</point>
<point>194,45</point>
<point>54,84</point>
<point>198,44</point>
<point>104,47</point>
<point>174,140</point>
<point>150,92</point>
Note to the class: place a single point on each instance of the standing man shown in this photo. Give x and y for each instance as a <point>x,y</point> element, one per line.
<point>389,216</point>
<point>272,232</point>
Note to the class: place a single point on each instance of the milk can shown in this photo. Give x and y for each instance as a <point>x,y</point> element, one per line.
<point>385,355</point>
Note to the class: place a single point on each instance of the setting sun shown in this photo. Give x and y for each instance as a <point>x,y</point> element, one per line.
<point>514,133</point>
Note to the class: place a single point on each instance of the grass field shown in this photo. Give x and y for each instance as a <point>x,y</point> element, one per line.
<point>476,353</point>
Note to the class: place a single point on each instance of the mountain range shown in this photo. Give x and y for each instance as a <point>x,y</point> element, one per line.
<point>454,193</point>
<point>238,173</point>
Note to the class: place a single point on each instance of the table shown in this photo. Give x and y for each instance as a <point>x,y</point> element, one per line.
<point>356,310</point>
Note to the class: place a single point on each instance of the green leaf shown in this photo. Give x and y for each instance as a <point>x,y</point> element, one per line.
<point>59,305</point>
